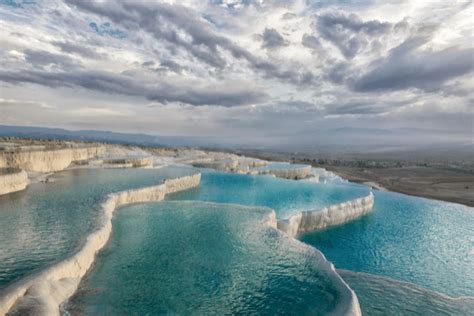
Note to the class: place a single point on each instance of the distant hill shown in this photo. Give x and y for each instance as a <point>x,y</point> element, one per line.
<point>91,135</point>
<point>336,140</point>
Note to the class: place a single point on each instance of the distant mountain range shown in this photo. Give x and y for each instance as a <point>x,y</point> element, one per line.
<point>343,139</point>
<point>91,135</point>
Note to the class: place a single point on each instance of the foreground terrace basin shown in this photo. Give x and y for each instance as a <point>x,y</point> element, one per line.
<point>214,248</point>
<point>47,221</point>
<point>206,258</point>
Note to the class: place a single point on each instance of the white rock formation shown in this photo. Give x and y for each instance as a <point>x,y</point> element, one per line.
<point>326,176</point>
<point>290,173</point>
<point>309,221</point>
<point>137,162</point>
<point>42,294</point>
<point>221,165</point>
<point>12,180</point>
<point>313,178</point>
<point>47,160</point>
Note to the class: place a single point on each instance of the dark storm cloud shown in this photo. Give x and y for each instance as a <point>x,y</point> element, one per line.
<point>406,67</point>
<point>272,39</point>
<point>348,32</point>
<point>167,22</point>
<point>225,95</point>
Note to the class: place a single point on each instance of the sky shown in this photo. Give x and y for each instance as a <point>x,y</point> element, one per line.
<point>238,69</point>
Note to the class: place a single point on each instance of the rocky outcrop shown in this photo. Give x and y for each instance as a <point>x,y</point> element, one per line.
<point>42,293</point>
<point>12,180</point>
<point>47,160</point>
<point>310,221</point>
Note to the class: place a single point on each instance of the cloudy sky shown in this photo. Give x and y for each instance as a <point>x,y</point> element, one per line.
<point>237,68</point>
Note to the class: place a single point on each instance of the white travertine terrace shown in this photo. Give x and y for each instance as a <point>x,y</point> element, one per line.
<point>310,221</point>
<point>313,178</point>
<point>226,162</point>
<point>217,160</point>
<point>12,180</point>
<point>47,160</point>
<point>221,165</point>
<point>42,294</point>
<point>290,173</point>
<point>136,162</point>
<point>239,164</point>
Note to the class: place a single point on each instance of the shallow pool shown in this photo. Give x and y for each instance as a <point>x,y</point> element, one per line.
<point>385,297</point>
<point>204,259</point>
<point>47,221</point>
<point>284,196</point>
<point>427,242</point>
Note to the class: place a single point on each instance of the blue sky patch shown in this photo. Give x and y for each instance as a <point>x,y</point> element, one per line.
<point>17,3</point>
<point>106,29</point>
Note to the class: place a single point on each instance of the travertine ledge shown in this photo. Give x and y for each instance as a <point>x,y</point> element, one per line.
<point>135,162</point>
<point>42,293</point>
<point>290,173</point>
<point>12,180</point>
<point>309,221</point>
<point>47,160</point>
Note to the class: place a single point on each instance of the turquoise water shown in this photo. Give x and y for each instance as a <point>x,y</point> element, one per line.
<point>284,196</point>
<point>181,258</point>
<point>381,296</point>
<point>203,259</point>
<point>44,223</point>
<point>426,242</point>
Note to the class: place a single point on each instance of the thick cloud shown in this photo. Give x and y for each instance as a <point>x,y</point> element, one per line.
<point>168,22</point>
<point>365,106</point>
<point>81,50</point>
<point>166,61</point>
<point>41,59</point>
<point>312,42</point>
<point>348,32</point>
<point>272,39</point>
<point>225,95</point>
<point>164,66</point>
<point>405,68</point>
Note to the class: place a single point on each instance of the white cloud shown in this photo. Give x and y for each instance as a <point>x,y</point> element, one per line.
<point>184,54</point>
